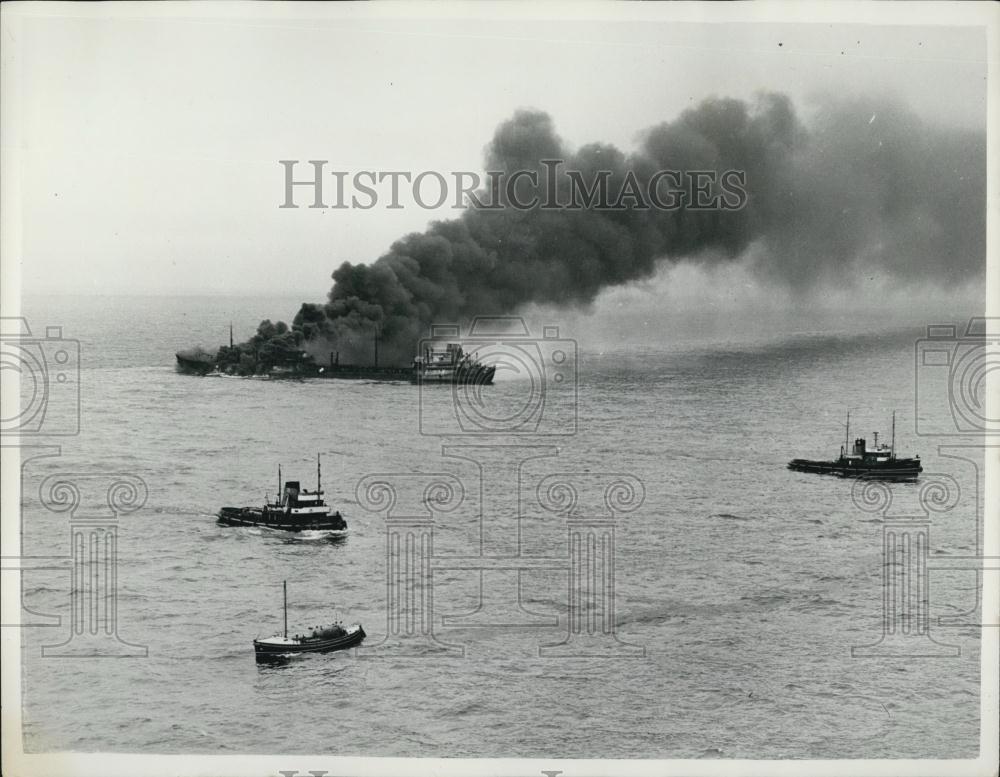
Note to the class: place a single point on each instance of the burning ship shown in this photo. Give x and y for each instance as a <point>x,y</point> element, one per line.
<point>446,362</point>
<point>878,463</point>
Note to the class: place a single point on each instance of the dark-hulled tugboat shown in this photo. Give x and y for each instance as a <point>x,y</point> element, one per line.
<point>295,510</point>
<point>877,463</point>
<point>321,639</point>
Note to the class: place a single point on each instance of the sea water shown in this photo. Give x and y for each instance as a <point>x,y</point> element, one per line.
<point>739,587</point>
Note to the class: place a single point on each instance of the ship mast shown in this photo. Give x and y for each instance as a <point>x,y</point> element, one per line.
<point>284,592</point>
<point>230,334</point>
<point>847,435</point>
<point>892,448</point>
<point>318,476</point>
<point>279,498</point>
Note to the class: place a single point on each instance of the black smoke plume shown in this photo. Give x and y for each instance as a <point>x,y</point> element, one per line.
<point>863,187</point>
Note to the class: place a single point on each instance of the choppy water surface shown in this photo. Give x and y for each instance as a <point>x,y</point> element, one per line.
<point>746,584</point>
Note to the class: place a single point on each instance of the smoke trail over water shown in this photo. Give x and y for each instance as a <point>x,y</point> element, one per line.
<point>865,186</point>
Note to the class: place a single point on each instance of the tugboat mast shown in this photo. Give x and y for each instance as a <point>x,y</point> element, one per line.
<point>318,476</point>
<point>847,435</point>
<point>284,592</point>
<point>892,448</point>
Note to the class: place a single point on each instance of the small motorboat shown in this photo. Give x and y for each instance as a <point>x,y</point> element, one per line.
<point>321,639</point>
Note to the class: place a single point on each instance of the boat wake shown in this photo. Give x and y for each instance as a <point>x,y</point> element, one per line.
<point>305,535</point>
<point>314,534</point>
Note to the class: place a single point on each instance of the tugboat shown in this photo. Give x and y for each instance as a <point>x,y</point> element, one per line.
<point>451,365</point>
<point>320,639</point>
<point>295,510</point>
<point>877,463</point>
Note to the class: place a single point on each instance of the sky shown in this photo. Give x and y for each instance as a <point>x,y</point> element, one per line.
<point>146,143</point>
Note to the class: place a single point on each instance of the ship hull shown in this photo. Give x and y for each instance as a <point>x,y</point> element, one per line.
<point>253,516</point>
<point>356,372</point>
<point>191,366</point>
<point>477,375</point>
<point>266,650</point>
<point>897,470</point>
<point>482,376</point>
